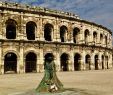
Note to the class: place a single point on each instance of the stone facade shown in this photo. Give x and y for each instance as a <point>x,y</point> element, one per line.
<point>28,33</point>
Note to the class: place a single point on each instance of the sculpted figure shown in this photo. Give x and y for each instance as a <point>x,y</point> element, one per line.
<point>50,82</point>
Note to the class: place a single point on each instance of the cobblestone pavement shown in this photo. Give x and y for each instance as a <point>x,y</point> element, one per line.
<point>99,82</point>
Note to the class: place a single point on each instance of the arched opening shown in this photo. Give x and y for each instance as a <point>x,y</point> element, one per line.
<point>96,62</point>
<point>101,38</point>
<point>48,55</point>
<point>102,61</point>
<point>95,37</point>
<point>10,63</point>
<point>64,62</point>
<point>48,29</point>
<point>76,32</point>
<point>106,59</point>
<point>77,59</point>
<point>86,36</point>
<point>30,62</point>
<point>30,30</point>
<point>11,29</point>
<point>63,33</point>
<point>105,40</point>
<point>88,62</point>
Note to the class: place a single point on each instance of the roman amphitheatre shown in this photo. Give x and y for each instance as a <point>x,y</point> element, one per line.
<point>82,49</point>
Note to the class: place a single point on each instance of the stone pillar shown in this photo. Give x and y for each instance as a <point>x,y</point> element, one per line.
<point>56,31</point>
<point>24,36</point>
<point>99,62</point>
<point>71,36</point>
<point>3,31</point>
<point>1,27</point>
<point>70,33</point>
<point>37,30</point>
<point>57,61</point>
<point>22,28</point>
<point>41,29</point>
<point>1,63</point>
<point>92,62</point>
<point>71,61</point>
<point>21,60</point>
<point>37,63</point>
<point>110,61</point>
<point>83,60</point>
<point>41,60</point>
<point>81,37</point>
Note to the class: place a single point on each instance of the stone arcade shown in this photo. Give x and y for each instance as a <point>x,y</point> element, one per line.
<point>28,33</point>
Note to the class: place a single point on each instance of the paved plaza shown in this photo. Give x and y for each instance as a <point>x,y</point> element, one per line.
<point>97,82</point>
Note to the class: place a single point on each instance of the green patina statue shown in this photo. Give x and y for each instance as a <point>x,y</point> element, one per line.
<point>50,82</point>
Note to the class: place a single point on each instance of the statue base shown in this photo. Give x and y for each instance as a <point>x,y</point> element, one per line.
<point>69,91</point>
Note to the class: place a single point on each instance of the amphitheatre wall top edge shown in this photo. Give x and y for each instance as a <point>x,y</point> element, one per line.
<point>37,8</point>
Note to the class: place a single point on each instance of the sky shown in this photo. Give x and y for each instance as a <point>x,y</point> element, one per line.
<point>98,11</point>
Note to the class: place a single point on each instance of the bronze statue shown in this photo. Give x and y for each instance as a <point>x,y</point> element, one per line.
<point>50,82</point>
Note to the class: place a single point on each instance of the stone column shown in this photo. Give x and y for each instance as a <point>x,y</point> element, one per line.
<point>1,63</point>
<point>57,61</point>
<point>22,28</point>
<point>41,29</point>
<point>81,37</point>
<point>92,62</point>
<point>3,31</point>
<point>71,61</point>
<point>37,30</point>
<point>21,60</point>
<point>70,33</point>
<point>110,61</point>
<point>83,60</point>
<point>37,63</point>
<point>41,60</point>
<point>1,27</point>
<point>24,35</point>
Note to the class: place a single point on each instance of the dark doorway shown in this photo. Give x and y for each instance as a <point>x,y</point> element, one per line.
<point>102,62</point>
<point>64,62</point>
<point>31,60</point>
<point>11,29</point>
<point>106,40</point>
<point>87,61</point>
<point>96,62</point>
<point>63,33</point>
<point>95,37</point>
<point>10,63</point>
<point>86,35</point>
<point>77,59</point>
<point>30,30</point>
<point>75,34</point>
<point>48,29</point>
<point>101,38</point>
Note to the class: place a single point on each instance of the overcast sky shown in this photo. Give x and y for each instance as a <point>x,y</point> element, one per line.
<point>98,11</point>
